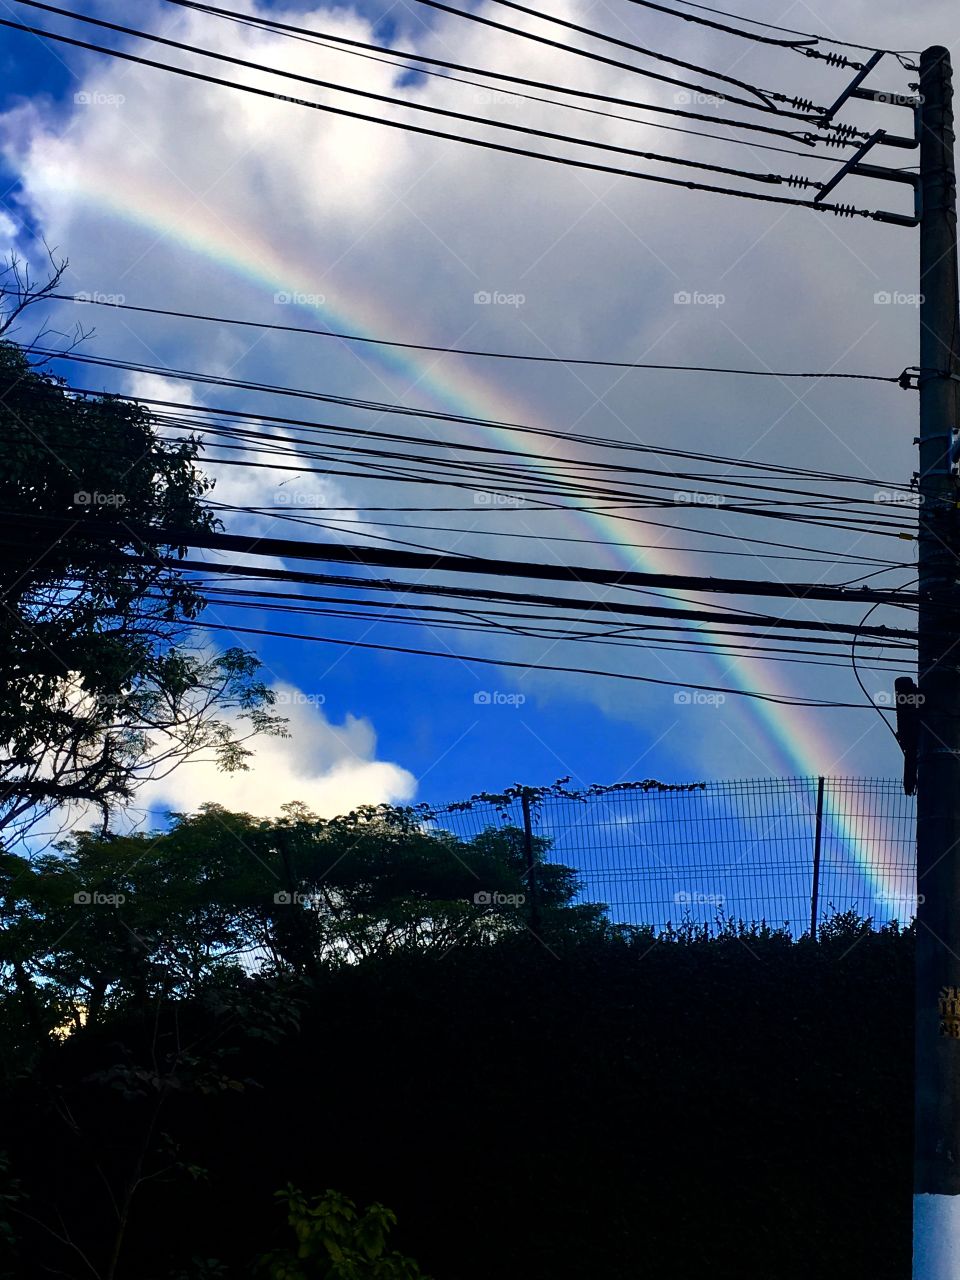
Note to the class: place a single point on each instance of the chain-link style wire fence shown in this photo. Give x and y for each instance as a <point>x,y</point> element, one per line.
<point>788,851</point>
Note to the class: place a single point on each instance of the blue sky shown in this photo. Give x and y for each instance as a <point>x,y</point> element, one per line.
<point>405,230</point>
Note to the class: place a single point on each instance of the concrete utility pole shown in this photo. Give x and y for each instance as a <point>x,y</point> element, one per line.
<point>936,1235</point>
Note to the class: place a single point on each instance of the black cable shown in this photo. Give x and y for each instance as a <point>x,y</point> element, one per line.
<point>593,442</point>
<point>856,672</point>
<point>617,608</point>
<point>487,473</point>
<point>748,625</point>
<point>822,207</point>
<point>607,39</point>
<point>486,622</point>
<point>808,139</point>
<point>317,37</point>
<point>393,475</point>
<point>285,548</point>
<point>559,486</point>
<point>283,443</point>
<point>770,26</point>
<point>657,524</point>
<point>563,476</point>
<point>811,114</point>
<point>779,700</point>
<point>556,508</point>
<point>733,31</point>
<point>528,131</point>
<point>805,45</point>
<point>468,351</point>
<point>674,632</point>
<point>336,525</point>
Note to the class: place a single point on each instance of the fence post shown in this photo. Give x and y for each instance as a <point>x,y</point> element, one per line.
<point>532,894</point>
<point>817,841</point>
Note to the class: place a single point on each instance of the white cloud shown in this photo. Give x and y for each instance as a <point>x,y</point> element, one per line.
<point>331,768</point>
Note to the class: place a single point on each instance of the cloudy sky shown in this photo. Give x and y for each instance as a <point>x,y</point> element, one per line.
<point>172,193</point>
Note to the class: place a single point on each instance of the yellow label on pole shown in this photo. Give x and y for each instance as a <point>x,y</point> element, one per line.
<point>949,1009</point>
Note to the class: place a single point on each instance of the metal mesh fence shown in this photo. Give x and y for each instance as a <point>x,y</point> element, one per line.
<point>781,850</point>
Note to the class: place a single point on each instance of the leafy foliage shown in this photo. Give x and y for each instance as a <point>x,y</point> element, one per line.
<point>335,1241</point>
<point>100,687</point>
<point>117,922</point>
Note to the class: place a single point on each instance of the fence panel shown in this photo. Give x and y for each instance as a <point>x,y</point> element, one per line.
<point>777,850</point>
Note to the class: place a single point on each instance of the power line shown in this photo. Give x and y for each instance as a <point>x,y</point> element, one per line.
<point>496,622</point>
<point>689,185</point>
<point>481,476</point>
<point>804,45</point>
<point>845,136</point>
<point>337,523</point>
<point>560,486</point>
<point>393,475</point>
<point>283,548</point>
<point>856,672</point>
<point>734,31</point>
<point>488,472</point>
<point>603,605</point>
<point>770,26</point>
<point>778,699</point>
<point>526,130</point>
<point>589,441</point>
<point>246,434</point>
<point>470,351</point>
<point>326,41</point>
<point>519,625</point>
<point>558,508</point>
<point>749,624</point>
<point>765,97</point>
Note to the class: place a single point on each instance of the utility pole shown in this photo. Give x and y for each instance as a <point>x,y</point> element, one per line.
<point>817,847</point>
<point>936,1236</point>
<point>533,889</point>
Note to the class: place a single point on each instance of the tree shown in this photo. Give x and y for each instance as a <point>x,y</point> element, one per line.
<point>102,685</point>
<point>336,1242</point>
<point>106,924</point>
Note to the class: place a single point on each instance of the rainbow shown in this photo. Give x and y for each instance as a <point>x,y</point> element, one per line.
<point>792,739</point>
